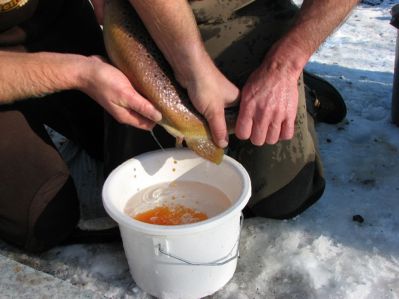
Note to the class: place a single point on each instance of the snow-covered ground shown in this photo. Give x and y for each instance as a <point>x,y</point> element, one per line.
<point>323,253</point>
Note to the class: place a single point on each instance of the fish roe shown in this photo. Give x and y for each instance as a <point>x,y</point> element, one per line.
<point>171,215</point>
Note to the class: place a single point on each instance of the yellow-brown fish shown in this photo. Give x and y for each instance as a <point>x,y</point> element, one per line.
<point>132,50</point>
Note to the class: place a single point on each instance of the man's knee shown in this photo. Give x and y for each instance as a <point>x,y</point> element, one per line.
<point>295,197</point>
<point>47,220</point>
<point>57,220</point>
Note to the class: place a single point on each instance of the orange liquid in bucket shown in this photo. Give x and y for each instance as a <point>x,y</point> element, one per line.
<point>176,203</point>
<point>175,215</point>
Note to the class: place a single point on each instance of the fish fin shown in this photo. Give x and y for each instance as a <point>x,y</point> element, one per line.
<point>179,142</point>
<point>205,148</point>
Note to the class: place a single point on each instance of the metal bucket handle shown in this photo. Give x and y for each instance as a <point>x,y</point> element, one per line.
<point>219,262</point>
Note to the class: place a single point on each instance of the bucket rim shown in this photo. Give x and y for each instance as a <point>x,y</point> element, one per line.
<point>168,230</point>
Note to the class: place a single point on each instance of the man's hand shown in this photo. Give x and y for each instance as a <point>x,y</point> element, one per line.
<point>113,91</point>
<point>268,106</point>
<point>210,93</point>
<point>269,99</point>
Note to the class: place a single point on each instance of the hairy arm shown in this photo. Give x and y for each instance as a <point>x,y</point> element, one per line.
<point>270,97</point>
<point>26,75</point>
<point>172,26</point>
<point>316,20</point>
<point>29,75</point>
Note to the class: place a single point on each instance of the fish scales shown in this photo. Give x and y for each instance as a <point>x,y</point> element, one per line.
<point>132,50</point>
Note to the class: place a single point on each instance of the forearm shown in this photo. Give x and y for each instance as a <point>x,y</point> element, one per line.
<point>172,25</point>
<point>316,20</point>
<point>27,75</point>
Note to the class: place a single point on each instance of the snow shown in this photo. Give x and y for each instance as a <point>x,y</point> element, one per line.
<point>323,253</point>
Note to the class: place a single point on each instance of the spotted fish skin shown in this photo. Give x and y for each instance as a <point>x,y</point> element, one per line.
<point>132,50</point>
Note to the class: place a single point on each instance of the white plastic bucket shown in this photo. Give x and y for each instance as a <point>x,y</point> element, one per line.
<point>181,261</point>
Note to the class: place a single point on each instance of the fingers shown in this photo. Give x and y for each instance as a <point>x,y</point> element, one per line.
<point>135,102</point>
<point>264,122</point>
<point>217,124</point>
<point>287,130</point>
<point>266,127</point>
<point>288,125</point>
<point>269,133</point>
<point>132,109</point>
<point>130,117</point>
<point>138,112</point>
<point>273,132</point>
<point>245,120</point>
<point>134,119</point>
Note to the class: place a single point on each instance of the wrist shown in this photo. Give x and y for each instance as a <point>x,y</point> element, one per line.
<point>84,72</point>
<point>287,56</point>
<point>197,65</point>
<point>65,71</point>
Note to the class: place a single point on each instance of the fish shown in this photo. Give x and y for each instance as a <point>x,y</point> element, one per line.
<point>132,50</point>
